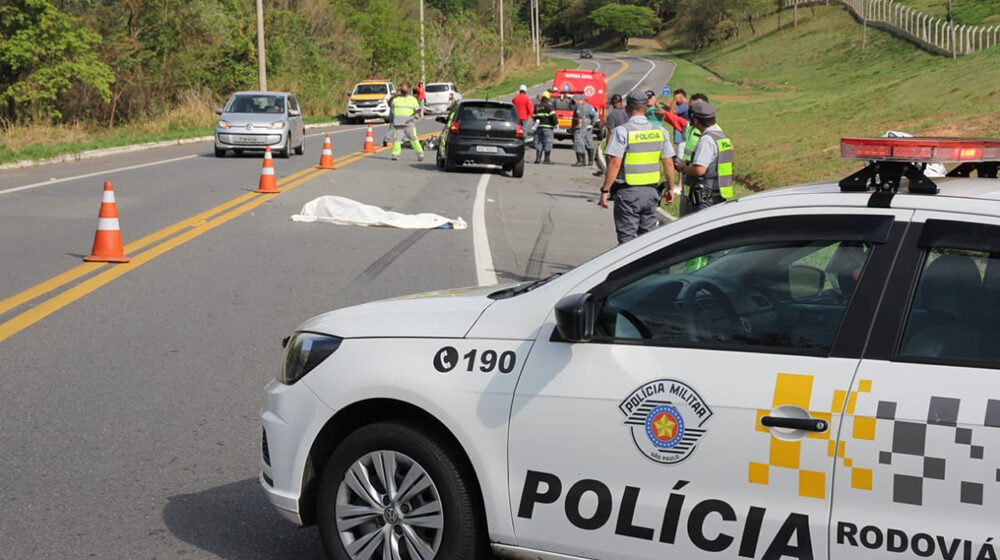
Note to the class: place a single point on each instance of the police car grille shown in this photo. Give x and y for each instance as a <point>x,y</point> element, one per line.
<point>263,448</point>
<point>367,103</point>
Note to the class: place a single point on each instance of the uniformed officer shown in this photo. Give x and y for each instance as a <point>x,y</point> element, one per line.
<point>691,135</point>
<point>545,114</point>
<point>711,167</point>
<point>404,111</point>
<point>637,151</point>
<point>581,117</point>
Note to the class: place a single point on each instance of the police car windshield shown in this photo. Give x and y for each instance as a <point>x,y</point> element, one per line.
<point>363,89</point>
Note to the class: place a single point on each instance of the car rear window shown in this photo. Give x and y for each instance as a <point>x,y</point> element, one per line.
<point>487,112</point>
<point>254,103</point>
<point>362,89</point>
<point>436,88</point>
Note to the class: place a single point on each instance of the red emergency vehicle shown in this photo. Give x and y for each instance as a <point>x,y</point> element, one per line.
<point>567,83</point>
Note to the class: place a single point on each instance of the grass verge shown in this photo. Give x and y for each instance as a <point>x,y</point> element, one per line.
<point>787,96</point>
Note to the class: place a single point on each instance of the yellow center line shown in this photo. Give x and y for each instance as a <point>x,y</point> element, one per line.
<point>195,226</point>
<point>618,73</point>
<point>47,307</point>
<point>56,282</point>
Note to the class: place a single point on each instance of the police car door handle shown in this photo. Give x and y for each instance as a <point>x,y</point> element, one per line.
<point>808,424</point>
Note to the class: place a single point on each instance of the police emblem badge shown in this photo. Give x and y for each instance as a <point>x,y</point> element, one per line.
<point>666,418</point>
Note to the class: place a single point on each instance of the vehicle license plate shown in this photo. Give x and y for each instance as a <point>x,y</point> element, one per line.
<point>250,139</point>
<point>488,149</point>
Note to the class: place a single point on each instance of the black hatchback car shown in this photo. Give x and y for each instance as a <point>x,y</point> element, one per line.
<point>481,131</point>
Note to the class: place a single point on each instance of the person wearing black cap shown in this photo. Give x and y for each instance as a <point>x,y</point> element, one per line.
<point>637,153</point>
<point>615,118</point>
<point>710,172</point>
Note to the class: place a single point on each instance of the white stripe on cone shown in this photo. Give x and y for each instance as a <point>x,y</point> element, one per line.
<point>108,224</point>
<point>109,196</point>
<point>267,171</point>
<point>327,152</point>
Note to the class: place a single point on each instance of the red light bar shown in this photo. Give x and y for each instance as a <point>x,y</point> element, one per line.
<point>923,150</point>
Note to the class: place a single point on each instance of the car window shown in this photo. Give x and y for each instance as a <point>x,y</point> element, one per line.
<point>293,103</point>
<point>767,296</point>
<point>436,88</point>
<point>363,89</point>
<point>952,314</point>
<point>256,103</point>
<point>487,112</point>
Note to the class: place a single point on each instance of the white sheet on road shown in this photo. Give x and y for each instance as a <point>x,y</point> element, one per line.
<point>344,211</point>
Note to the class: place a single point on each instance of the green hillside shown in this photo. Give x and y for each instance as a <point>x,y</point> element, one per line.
<point>787,96</point>
<point>979,12</point>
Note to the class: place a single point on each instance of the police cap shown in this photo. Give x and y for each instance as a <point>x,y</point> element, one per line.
<point>636,97</point>
<point>702,110</point>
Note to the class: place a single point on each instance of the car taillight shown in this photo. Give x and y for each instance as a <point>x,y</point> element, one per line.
<point>518,131</point>
<point>451,96</point>
<point>454,127</point>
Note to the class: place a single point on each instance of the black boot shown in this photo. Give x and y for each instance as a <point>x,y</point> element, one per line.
<point>590,158</point>
<point>538,156</point>
<point>547,160</point>
<point>580,160</point>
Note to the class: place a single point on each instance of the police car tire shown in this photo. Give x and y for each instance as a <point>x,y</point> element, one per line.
<point>464,534</point>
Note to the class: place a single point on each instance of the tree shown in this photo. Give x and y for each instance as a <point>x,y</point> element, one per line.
<point>45,53</point>
<point>625,20</point>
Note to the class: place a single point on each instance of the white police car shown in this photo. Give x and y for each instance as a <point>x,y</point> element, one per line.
<point>807,373</point>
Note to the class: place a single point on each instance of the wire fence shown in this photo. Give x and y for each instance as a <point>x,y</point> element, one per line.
<point>931,33</point>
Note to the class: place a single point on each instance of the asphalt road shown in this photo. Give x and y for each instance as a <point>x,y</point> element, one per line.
<point>129,393</point>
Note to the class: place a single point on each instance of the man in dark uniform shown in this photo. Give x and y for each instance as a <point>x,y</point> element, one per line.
<point>545,114</point>
<point>638,151</point>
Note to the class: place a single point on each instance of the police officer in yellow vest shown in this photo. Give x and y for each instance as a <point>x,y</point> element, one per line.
<point>710,172</point>
<point>691,136</point>
<point>637,152</point>
<point>404,118</point>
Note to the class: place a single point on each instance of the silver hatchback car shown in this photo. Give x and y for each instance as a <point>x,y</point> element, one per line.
<point>254,120</point>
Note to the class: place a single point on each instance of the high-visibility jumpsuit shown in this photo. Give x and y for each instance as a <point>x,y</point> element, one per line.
<point>404,110</point>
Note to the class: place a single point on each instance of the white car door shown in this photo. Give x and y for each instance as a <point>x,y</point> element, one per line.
<point>699,420</point>
<point>921,474</point>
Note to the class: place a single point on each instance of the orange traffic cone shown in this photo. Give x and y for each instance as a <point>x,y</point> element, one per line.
<point>108,239</point>
<point>326,160</point>
<point>268,184</point>
<point>369,147</point>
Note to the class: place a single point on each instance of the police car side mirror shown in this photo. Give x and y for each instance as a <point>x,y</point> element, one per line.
<point>575,318</point>
<point>805,281</point>
<point>442,120</point>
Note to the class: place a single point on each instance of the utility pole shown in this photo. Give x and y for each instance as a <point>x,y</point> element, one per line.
<point>531,17</point>
<point>501,37</point>
<point>864,23</point>
<point>951,31</point>
<point>261,61</point>
<point>538,34</point>
<point>423,67</point>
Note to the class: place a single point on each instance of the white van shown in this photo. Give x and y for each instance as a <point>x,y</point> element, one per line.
<point>440,96</point>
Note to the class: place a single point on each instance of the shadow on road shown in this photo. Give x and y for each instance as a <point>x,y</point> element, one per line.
<point>236,522</point>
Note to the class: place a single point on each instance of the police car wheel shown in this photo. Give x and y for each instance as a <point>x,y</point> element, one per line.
<point>390,491</point>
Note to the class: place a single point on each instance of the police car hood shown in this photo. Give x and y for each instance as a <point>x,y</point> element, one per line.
<point>444,314</point>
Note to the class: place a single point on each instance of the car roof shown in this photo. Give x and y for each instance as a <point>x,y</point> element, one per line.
<point>949,187</point>
<point>262,93</point>
<point>498,102</point>
<point>440,83</point>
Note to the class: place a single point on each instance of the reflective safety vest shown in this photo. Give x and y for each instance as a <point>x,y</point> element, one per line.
<point>545,115</point>
<point>691,137</point>
<point>403,109</point>
<point>720,173</point>
<point>643,154</point>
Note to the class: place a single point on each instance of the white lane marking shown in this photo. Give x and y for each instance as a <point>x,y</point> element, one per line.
<point>96,173</point>
<point>486,275</point>
<point>652,66</point>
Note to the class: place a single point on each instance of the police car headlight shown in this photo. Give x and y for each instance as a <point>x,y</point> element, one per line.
<point>305,351</point>
<point>276,125</point>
